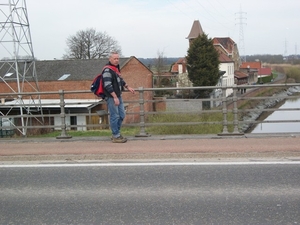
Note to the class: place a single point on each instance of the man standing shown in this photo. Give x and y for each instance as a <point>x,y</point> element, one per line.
<point>113,86</point>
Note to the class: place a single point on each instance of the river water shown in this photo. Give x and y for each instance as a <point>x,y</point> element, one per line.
<point>281,127</point>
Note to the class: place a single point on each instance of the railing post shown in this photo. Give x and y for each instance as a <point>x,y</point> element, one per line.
<point>235,112</point>
<point>224,111</point>
<point>142,114</point>
<point>63,134</point>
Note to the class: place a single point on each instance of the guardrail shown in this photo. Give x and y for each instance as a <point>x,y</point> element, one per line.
<point>218,103</point>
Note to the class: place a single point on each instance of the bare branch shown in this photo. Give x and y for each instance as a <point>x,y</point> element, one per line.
<point>90,44</point>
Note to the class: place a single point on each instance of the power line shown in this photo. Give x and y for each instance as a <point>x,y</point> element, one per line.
<point>209,13</point>
<point>220,13</point>
<point>206,13</point>
<point>178,8</point>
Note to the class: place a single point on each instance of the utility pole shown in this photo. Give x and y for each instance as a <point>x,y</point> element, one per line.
<point>285,55</point>
<point>17,67</point>
<point>241,19</point>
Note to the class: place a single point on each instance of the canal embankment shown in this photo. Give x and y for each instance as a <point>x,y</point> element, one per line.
<point>275,102</point>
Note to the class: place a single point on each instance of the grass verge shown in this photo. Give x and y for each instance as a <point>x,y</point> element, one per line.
<point>210,123</point>
<point>126,131</point>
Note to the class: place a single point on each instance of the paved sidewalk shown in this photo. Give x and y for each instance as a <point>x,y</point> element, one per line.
<point>178,147</point>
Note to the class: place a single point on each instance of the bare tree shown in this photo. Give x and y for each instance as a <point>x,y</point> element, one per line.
<point>90,44</point>
<point>159,64</point>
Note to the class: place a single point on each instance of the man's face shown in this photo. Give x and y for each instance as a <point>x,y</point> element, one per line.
<point>114,59</point>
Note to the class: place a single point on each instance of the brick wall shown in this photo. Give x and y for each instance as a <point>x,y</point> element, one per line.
<point>134,73</point>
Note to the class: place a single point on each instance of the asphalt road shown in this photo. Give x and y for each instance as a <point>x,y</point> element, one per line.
<point>151,193</point>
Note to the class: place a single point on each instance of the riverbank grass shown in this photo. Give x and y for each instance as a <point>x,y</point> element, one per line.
<point>293,73</point>
<point>126,131</point>
<point>206,123</point>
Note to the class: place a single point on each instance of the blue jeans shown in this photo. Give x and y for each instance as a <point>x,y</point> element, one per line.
<point>116,115</point>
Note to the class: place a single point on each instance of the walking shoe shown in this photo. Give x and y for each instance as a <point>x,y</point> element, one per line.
<point>119,139</point>
<point>123,137</point>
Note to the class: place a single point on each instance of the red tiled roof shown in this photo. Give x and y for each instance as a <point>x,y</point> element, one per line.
<point>226,42</point>
<point>251,65</point>
<point>264,71</point>
<point>174,68</point>
<point>181,61</point>
<point>224,58</point>
<point>239,74</point>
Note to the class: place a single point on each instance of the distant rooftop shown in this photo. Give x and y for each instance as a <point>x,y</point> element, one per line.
<point>196,30</point>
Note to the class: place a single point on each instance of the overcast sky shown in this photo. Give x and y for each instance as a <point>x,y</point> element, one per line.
<point>144,27</point>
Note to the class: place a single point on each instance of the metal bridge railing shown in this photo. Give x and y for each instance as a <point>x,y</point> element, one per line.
<point>233,104</point>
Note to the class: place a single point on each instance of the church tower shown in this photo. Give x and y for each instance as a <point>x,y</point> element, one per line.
<point>195,32</point>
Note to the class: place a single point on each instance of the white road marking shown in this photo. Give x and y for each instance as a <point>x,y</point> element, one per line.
<point>132,164</point>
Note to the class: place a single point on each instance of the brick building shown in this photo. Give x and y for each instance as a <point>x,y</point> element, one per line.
<point>71,75</point>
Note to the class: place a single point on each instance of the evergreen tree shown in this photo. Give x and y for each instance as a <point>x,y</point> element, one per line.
<point>203,64</point>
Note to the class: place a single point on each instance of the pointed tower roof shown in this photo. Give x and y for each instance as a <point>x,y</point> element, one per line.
<point>196,30</point>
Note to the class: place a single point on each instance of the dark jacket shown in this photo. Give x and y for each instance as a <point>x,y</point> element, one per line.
<point>113,82</point>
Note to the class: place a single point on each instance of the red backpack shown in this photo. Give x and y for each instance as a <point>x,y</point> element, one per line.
<point>97,86</point>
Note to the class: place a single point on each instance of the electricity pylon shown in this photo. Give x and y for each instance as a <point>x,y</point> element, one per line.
<point>17,66</point>
<point>241,31</point>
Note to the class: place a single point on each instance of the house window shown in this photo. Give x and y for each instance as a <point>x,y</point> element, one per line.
<point>73,121</point>
<point>8,75</point>
<point>65,76</point>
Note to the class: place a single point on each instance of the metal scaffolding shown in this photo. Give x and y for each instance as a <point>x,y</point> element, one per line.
<point>17,66</point>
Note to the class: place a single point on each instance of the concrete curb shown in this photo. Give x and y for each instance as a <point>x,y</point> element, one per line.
<point>149,138</point>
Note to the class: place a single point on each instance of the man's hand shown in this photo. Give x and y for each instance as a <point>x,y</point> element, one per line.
<point>117,101</point>
<point>130,89</point>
